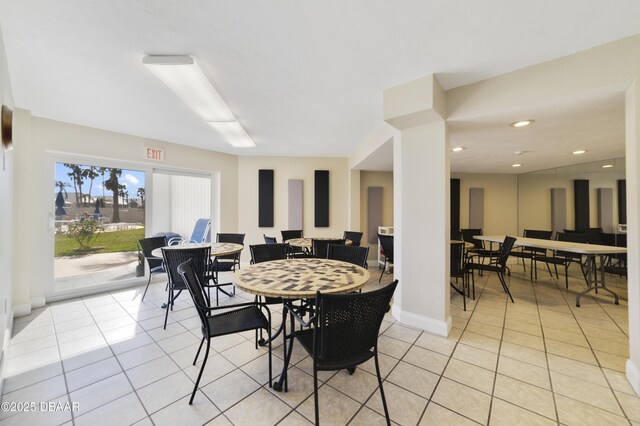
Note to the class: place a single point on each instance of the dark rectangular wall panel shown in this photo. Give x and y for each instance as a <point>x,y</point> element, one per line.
<point>581,203</point>
<point>455,208</point>
<point>622,201</point>
<point>476,208</point>
<point>374,212</point>
<point>295,204</point>
<point>321,195</point>
<point>265,198</point>
<point>558,209</point>
<point>605,209</point>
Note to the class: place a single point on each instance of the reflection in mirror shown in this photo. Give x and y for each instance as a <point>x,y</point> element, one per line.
<point>547,199</point>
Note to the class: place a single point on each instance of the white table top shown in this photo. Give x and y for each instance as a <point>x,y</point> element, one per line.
<point>580,248</point>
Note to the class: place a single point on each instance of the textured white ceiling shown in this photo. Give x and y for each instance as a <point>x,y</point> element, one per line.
<point>304,78</point>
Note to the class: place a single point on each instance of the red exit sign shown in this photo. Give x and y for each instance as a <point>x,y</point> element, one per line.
<point>155,154</point>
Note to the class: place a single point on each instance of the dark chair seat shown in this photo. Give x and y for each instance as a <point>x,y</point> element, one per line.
<point>499,267</point>
<point>156,264</point>
<point>236,321</point>
<point>305,337</point>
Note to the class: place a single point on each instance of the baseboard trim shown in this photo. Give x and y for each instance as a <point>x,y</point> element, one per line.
<point>440,328</point>
<point>5,347</point>
<point>21,310</point>
<point>38,302</point>
<point>633,376</point>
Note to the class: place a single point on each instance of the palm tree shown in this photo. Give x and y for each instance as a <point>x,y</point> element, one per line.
<point>141,195</point>
<point>113,185</point>
<point>76,176</point>
<point>62,187</point>
<point>102,170</point>
<point>91,173</point>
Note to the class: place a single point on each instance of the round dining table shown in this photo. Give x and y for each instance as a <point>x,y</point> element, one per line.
<point>217,249</point>
<point>295,279</point>
<point>306,243</point>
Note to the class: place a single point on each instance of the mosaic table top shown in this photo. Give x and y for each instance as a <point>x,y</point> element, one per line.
<point>300,278</point>
<point>306,242</point>
<point>217,249</point>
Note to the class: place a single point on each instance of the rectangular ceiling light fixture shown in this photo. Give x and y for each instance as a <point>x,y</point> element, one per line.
<point>187,80</point>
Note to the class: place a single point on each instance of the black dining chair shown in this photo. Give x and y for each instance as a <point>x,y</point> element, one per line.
<point>226,263</point>
<point>294,251</point>
<point>231,319</point>
<point>354,236</point>
<point>478,249</point>
<point>156,264</point>
<point>319,247</point>
<point>566,258</point>
<point>345,334</point>
<point>499,267</point>
<point>456,269</point>
<point>532,253</point>
<point>269,240</point>
<point>386,242</point>
<point>172,259</point>
<point>356,255</point>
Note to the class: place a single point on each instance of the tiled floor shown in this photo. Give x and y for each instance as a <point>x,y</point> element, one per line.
<point>539,360</point>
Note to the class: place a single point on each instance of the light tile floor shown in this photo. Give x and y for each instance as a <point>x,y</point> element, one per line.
<point>539,360</point>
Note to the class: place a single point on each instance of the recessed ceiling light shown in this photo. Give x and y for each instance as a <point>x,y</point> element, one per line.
<point>578,152</point>
<point>521,123</point>
<point>457,149</point>
<point>607,166</point>
<point>516,165</point>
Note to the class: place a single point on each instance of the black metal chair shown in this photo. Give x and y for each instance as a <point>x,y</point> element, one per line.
<point>269,240</point>
<point>266,252</point>
<point>354,236</point>
<point>478,249</point>
<point>319,247</point>
<point>225,264</point>
<point>386,242</point>
<point>532,253</point>
<point>356,255</point>
<point>156,264</point>
<point>233,319</point>
<point>294,251</point>
<point>345,334</point>
<point>456,269</point>
<point>499,267</point>
<point>172,259</point>
<point>566,258</point>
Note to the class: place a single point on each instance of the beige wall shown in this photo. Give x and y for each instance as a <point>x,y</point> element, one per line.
<point>39,140</point>
<point>385,180</point>
<point>286,168</point>
<point>500,201</point>
<point>6,214</point>
<point>534,190</point>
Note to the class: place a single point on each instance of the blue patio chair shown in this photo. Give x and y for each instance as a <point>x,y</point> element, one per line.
<point>201,233</point>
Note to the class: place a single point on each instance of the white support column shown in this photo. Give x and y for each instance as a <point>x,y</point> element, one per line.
<point>632,136</point>
<point>421,204</point>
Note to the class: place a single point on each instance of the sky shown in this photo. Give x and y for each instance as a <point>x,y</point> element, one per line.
<point>133,179</point>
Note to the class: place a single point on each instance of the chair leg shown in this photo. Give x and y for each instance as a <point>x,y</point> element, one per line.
<point>204,362</point>
<point>473,285</point>
<point>198,353</point>
<point>566,275</point>
<point>504,285</point>
<point>270,367</point>
<point>383,267</point>
<point>384,400</point>
<point>169,304</point>
<point>147,287</point>
<point>315,394</point>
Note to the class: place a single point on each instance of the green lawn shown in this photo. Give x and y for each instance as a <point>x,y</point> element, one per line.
<point>111,241</point>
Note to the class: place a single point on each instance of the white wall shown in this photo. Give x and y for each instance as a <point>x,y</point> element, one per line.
<point>286,168</point>
<point>385,180</point>
<point>500,201</point>
<point>6,215</point>
<point>40,138</point>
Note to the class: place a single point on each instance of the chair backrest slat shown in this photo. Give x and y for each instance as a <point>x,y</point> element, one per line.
<point>386,242</point>
<point>291,234</point>
<point>356,255</point>
<point>175,257</point>
<point>267,252</point>
<point>201,231</point>
<point>349,323</point>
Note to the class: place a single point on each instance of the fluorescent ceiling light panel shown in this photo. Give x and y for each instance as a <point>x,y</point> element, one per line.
<point>183,75</point>
<point>234,133</point>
